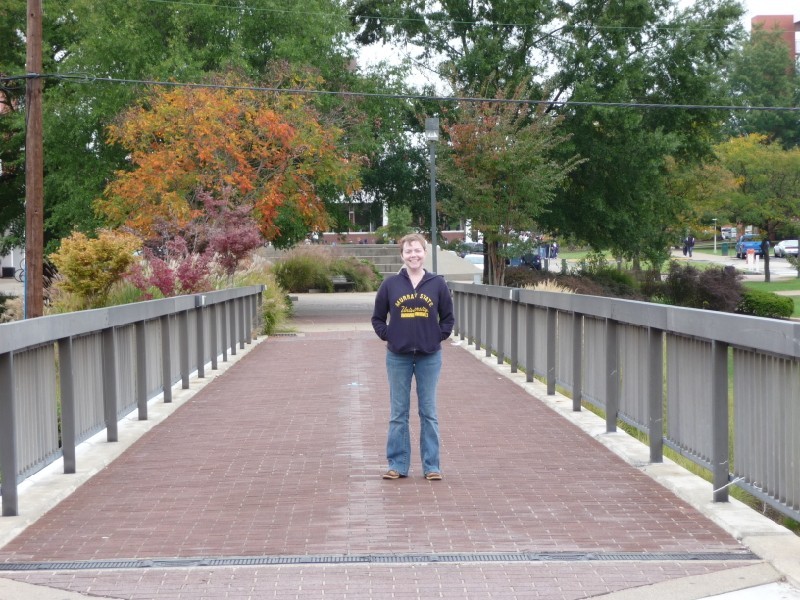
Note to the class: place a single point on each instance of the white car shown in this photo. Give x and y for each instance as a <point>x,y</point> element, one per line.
<point>475,259</point>
<point>785,247</point>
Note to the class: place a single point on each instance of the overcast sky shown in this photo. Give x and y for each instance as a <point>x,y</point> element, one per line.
<point>771,7</point>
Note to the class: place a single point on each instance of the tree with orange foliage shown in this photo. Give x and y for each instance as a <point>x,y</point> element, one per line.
<point>257,149</point>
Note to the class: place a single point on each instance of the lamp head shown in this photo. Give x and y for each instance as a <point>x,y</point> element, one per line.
<point>432,129</point>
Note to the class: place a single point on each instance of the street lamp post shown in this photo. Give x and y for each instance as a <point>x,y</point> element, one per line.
<point>715,235</point>
<point>432,136</point>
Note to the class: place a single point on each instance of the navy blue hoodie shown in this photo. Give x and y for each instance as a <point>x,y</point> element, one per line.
<point>418,319</point>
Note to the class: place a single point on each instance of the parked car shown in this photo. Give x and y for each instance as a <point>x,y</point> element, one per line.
<point>532,261</point>
<point>749,241</point>
<point>475,259</point>
<point>785,247</point>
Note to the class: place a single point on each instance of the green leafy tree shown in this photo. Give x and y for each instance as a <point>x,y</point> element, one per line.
<point>768,183</point>
<point>399,224</point>
<point>501,171</point>
<point>762,74</point>
<point>646,51</point>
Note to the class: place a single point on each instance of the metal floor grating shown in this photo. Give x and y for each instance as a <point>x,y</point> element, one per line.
<point>332,559</point>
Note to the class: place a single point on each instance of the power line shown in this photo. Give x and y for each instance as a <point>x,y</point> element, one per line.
<point>85,78</point>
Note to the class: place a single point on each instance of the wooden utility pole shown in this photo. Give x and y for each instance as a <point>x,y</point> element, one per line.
<point>34,166</point>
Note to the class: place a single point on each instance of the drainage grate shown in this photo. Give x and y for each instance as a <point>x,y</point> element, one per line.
<point>244,561</point>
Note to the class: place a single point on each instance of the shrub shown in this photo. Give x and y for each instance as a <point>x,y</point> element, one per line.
<point>89,267</point>
<point>11,308</point>
<point>713,289</point>
<point>720,289</point>
<point>614,282</point>
<point>304,269</point>
<point>311,267</point>
<point>765,304</point>
<point>361,272</point>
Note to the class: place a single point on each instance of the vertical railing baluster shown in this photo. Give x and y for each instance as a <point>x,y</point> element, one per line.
<point>552,315</point>
<point>166,358</point>
<point>577,361</point>
<point>67,386</point>
<point>720,459</point>
<point>8,436</point>
<point>655,392</point>
<point>612,375</point>
<point>141,369</point>
<point>109,359</point>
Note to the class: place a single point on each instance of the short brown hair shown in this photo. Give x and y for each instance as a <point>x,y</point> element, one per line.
<point>413,237</point>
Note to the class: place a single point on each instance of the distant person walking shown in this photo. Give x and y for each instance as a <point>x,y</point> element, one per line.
<point>420,316</point>
<point>688,245</point>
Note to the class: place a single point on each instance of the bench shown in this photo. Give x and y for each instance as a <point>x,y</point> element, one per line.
<point>341,283</point>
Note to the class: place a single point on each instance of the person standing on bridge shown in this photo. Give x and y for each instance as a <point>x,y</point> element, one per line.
<point>419,311</point>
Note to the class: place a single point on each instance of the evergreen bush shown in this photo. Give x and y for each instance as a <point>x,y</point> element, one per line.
<point>765,304</point>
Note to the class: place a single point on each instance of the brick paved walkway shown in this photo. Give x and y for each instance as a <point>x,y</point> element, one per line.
<point>281,457</point>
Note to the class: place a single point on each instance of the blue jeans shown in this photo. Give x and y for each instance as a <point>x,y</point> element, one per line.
<point>425,369</point>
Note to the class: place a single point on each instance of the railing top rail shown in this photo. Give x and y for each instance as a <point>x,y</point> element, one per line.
<point>766,335</point>
<point>19,335</point>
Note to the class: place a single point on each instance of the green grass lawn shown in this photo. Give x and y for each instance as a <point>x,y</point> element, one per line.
<point>782,285</point>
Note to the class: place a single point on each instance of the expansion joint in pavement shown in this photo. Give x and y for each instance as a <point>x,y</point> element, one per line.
<point>422,558</point>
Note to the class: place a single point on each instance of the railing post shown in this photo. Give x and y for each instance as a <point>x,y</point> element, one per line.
<point>213,319</point>
<point>612,376</point>
<point>490,337</point>
<point>233,328</point>
<point>109,344</point>
<point>223,330</point>
<point>577,361</point>
<point>720,459</point>
<point>200,337</point>
<point>530,330</point>
<point>8,436</point>
<point>183,345</point>
<point>251,302</point>
<point>463,315</point>
<point>656,394</point>
<point>259,308</point>
<point>514,358</point>
<point>470,335</point>
<point>141,370</point>
<point>478,320</point>
<point>552,316</point>
<point>501,331</point>
<point>243,335</point>
<point>166,359</point>
<point>67,383</point>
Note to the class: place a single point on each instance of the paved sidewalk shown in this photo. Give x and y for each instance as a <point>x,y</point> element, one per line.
<point>265,483</point>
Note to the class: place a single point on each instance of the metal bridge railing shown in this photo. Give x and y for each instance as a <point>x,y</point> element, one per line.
<point>63,378</point>
<point>721,389</point>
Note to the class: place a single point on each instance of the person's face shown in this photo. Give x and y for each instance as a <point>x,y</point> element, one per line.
<point>413,255</point>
